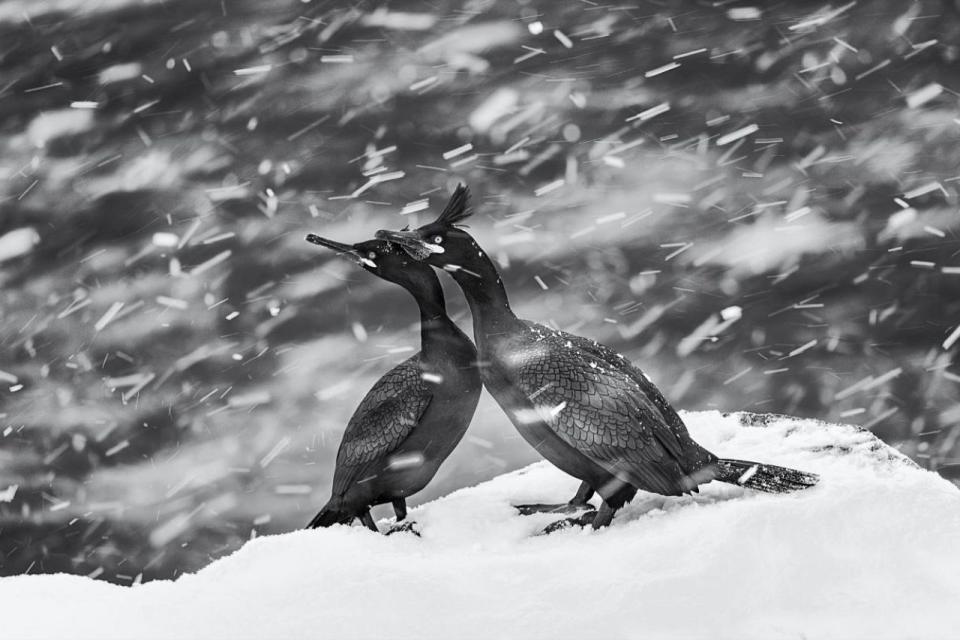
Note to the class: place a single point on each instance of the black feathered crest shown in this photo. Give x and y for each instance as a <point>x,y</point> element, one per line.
<point>458,208</point>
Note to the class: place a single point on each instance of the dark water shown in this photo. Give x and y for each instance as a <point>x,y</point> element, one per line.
<point>757,204</point>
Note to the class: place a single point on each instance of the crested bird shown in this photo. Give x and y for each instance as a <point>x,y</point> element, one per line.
<point>582,406</point>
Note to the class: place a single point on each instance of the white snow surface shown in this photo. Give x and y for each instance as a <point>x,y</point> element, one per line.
<point>872,552</point>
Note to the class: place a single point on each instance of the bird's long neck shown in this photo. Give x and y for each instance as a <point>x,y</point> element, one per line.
<point>485,295</point>
<point>436,327</point>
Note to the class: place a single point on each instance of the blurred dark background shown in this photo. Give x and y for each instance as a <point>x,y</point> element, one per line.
<point>757,202</point>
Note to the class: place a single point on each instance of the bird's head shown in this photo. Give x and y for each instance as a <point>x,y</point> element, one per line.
<point>441,243</point>
<point>383,259</point>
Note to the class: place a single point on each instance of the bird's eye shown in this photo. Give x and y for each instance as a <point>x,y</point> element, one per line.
<point>437,239</point>
<point>371,254</point>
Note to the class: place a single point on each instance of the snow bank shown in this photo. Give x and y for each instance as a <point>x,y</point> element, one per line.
<point>871,552</point>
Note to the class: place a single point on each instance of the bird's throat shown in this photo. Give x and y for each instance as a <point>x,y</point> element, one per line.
<point>486,296</point>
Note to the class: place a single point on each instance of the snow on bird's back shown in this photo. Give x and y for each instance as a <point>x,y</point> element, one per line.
<point>870,552</point>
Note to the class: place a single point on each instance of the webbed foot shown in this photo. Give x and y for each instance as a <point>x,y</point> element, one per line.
<point>577,503</point>
<point>563,507</point>
<point>408,526</point>
<point>584,519</point>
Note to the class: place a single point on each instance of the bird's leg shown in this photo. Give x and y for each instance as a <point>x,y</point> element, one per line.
<point>367,521</point>
<point>400,508</point>
<point>604,516</point>
<point>578,502</point>
<point>583,495</point>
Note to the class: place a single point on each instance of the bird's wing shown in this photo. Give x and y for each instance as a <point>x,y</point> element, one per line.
<point>602,412</point>
<point>676,438</point>
<point>385,418</point>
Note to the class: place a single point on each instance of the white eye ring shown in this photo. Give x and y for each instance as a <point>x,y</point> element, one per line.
<point>437,239</point>
<point>371,254</point>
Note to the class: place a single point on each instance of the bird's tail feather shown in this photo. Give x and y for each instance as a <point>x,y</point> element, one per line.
<point>764,477</point>
<point>328,516</point>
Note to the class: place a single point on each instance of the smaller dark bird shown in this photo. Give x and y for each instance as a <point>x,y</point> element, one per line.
<point>416,414</point>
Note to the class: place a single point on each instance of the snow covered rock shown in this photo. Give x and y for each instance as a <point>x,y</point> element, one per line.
<point>870,552</point>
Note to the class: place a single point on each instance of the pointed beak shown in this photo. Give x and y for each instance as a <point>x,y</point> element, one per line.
<point>339,247</point>
<point>411,242</point>
<point>343,249</point>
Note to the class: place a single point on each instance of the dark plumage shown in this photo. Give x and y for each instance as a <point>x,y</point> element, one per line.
<point>584,407</point>
<point>415,415</point>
